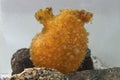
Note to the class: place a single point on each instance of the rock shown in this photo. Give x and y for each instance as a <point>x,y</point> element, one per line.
<point>3,76</point>
<point>98,64</point>
<point>87,63</point>
<point>20,60</point>
<point>38,74</point>
<point>102,74</point>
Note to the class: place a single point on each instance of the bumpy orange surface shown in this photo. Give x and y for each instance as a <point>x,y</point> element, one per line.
<point>63,41</point>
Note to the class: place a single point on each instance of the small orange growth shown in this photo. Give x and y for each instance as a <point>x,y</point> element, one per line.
<point>62,44</point>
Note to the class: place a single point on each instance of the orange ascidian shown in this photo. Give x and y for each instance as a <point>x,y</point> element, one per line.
<point>62,43</point>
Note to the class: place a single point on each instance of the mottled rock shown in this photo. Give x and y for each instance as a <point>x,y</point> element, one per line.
<point>20,60</point>
<point>39,74</point>
<point>102,74</point>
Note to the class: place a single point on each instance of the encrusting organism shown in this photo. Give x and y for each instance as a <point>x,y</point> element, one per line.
<point>62,43</point>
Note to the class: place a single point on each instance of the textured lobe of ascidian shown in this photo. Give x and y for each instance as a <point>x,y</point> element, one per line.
<point>63,42</point>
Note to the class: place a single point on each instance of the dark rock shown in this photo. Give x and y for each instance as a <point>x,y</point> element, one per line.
<point>102,74</point>
<point>20,60</point>
<point>39,74</point>
<point>87,63</point>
